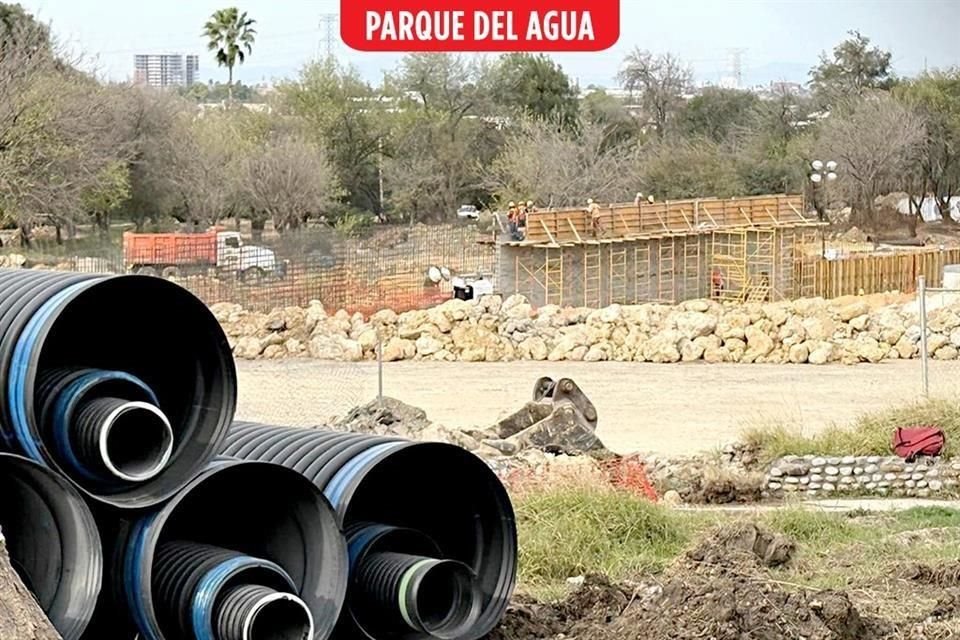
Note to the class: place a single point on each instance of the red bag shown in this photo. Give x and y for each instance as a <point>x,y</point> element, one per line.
<point>912,442</point>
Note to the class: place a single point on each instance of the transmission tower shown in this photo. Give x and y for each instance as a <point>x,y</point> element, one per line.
<point>736,66</point>
<point>329,38</point>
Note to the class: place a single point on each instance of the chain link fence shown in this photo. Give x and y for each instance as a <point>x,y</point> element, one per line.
<point>385,269</point>
<point>938,309</point>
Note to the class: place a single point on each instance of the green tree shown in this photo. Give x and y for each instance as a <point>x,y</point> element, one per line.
<point>108,194</point>
<point>230,34</point>
<point>344,114</point>
<point>719,114</point>
<point>853,69</point>
<point>936,96</point>
<point>609,112</point>
<point>679,168</point>
<point>537,86</point>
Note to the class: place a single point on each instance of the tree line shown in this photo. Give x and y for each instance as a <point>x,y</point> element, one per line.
<point>443,130</point>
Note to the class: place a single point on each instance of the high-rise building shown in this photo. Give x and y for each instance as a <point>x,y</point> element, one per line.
<point>165,69</point>
<point>193,69</point>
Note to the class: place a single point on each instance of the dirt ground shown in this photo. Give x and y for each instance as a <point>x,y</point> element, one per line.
<point>664,409</point>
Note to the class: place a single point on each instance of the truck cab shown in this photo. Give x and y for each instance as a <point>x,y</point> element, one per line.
<point>251,262</point>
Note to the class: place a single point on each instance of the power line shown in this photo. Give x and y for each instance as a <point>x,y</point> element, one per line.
<point>329,38</point>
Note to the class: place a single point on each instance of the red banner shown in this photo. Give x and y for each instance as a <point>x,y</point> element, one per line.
<point>480,25</point>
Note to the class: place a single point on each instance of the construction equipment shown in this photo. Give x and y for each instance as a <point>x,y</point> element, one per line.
<point>559,419</point>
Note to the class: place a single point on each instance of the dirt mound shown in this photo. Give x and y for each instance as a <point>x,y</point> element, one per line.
<point>721,589</point>
<point>389,418</point>
<point>942,575</point>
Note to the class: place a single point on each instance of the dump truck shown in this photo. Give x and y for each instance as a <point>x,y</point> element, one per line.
<point>214,252</point>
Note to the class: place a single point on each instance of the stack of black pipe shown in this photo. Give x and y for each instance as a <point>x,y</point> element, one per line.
<point>131,507</point>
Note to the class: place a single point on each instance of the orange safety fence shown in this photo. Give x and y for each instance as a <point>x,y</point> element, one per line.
<point>626,473</point>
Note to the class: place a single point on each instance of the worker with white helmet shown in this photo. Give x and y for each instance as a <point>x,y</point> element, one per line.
<point>593,209</point>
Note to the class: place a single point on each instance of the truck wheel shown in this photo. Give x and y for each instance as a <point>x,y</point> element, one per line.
<point>146,271</point>
<point>170,272</point>
<point>253,275</point>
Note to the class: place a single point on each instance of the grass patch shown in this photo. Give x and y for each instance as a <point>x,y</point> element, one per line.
<point>870,434</point>
<point>576,530</point>
<point>817,529</point>
<point>927,518</point>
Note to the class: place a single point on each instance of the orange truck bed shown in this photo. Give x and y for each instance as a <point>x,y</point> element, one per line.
<point>169,248</point>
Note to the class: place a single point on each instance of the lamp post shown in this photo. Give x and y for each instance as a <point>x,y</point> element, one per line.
<point>822,173</point>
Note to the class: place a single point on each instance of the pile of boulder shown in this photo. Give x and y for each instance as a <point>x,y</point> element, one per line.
<point>848,330</point>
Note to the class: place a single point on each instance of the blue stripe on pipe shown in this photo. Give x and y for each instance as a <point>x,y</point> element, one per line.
<point>20,366</point>
<point>133,576</point>
<point>339,482</point>
<point>359,541</point>
<point>65,405</point>
<point>209,588</point>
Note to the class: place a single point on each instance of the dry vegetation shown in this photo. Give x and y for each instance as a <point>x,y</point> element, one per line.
<point>870,434</point>
<point>893,570</point>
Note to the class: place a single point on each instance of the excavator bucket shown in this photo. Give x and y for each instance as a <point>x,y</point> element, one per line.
<point>560,419</point>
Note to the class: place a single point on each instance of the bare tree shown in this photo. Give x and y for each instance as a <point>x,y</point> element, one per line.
<point>542,162</point>
<point>289,180</point>
<point>876,142</point>
<point>57,135</point>
<point>660,80</point>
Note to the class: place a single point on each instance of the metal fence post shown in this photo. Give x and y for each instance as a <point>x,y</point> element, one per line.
<point>379,368</point>
<point>922,310</point>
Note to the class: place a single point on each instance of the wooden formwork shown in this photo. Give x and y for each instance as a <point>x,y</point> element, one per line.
<point>622,222</point>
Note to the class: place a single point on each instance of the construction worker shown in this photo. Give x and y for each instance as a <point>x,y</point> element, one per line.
<point>512,219</point>
<point>593,209</point>
<point>716,281</point>
<point>638,199</point>
<point>522,211</point>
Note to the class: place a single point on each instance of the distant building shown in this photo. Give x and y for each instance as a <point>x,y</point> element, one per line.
<point>165,69</point>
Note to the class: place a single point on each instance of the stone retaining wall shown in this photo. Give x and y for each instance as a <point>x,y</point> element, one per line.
<point>817,476</point>
<point>816,331</point>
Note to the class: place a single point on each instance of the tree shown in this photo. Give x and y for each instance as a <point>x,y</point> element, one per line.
<point>555,168</point>
<point>344,114</point>
<point>57,130</point>
<point>719,114</point>
<point>661,82</point>
<point>288,180</point>
<point>107,194</point>
<point>876,141</point>
<point>536,86</point>
<point>229,33</point>
<point>600,108</point>
<point>936,96</point>
<point>677,168</point>
<point>854,69</point>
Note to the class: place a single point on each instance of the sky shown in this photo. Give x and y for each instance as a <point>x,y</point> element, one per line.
<point>780,39</point>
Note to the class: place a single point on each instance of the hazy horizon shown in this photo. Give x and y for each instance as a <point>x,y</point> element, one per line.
<point>780,40</point>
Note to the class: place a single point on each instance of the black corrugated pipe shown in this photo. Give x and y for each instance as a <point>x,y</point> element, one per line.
<point>211,593</point>
<point>53,542</point>
<point>440,490</point>
<point>398,585</point>
<point>154,332</point>
<point>276,523</point>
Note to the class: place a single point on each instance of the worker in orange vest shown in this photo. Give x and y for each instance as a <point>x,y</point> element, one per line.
<point>716,280</point>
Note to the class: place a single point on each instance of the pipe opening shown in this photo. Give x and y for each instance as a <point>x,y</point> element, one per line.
<point>279,616</point>
<point>52,542</point>
<point>136,442</point>
<point>444,599</point>
<point>405,593</point>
